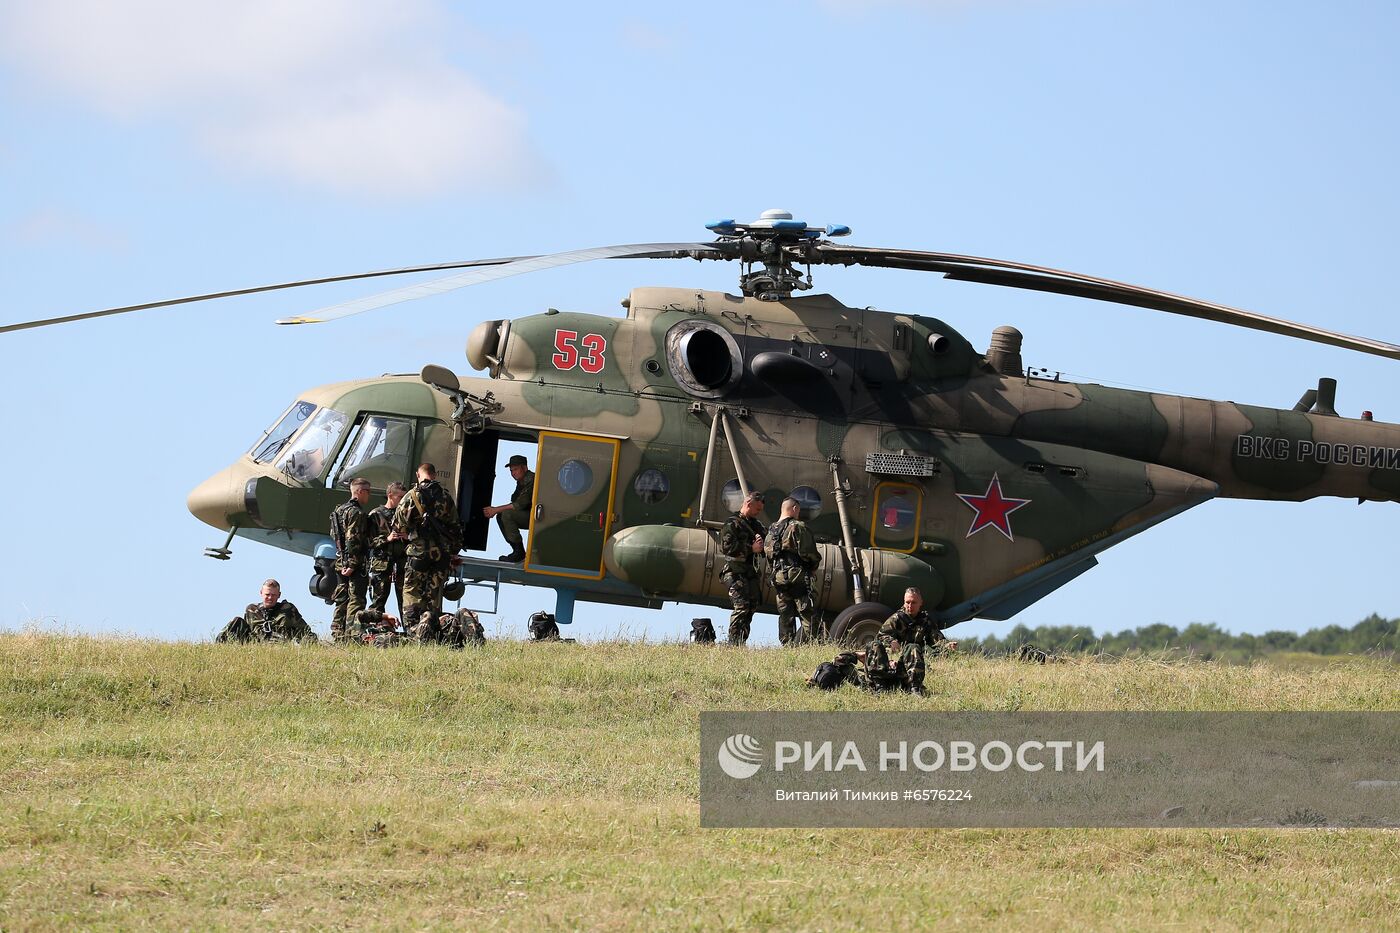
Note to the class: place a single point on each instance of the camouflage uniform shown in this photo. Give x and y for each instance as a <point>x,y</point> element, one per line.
<point>455,630</point>
<point>792,559</point>
<point>373,627</point>
<point>283,622</point>
<point>517,517</point>
<point>909,635</point>
<point>740,573</point>
<point>427,516</point>
<point>350,534</point>
<point>386,560</point>
<point>473,632</point>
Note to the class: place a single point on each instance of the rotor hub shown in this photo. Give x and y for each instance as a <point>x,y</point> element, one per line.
<point>777,244</point>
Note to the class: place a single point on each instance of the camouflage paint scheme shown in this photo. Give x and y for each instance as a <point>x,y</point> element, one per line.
<point>1030,477</point>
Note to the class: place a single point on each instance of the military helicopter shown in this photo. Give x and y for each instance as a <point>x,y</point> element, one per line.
<point>918,460</point>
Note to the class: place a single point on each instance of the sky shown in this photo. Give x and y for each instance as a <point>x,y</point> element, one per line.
<point>1237,152</point>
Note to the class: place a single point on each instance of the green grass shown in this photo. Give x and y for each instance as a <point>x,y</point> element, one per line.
<point>527,786</point>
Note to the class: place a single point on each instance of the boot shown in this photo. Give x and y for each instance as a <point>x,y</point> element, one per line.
<point>516,555</point>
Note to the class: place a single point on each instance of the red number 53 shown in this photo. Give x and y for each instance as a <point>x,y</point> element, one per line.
<point>567,344</point>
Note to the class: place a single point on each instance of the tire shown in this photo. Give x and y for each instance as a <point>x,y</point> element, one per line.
<point>856,626</point>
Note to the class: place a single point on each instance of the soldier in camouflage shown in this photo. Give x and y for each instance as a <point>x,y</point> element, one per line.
<point>895,659</point>
<point>455,630</point>
<point>427,520</point>
<point>350,535</point>
<point>515,514</point>
<point>792,559</point>
<point>373,627</point>
<point>271,619</point>
<point>741,541</point>
<point>387,552</point>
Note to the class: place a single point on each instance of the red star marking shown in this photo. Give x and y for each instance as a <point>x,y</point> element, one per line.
<point>993,509</point>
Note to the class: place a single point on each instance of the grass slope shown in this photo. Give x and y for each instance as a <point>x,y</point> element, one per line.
<point>529,786</point>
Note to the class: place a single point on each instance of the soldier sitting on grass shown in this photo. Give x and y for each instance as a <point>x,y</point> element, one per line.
<point>895,659</point>
<point>272,619</point>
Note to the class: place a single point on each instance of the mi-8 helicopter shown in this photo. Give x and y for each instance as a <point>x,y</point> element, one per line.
<point>918,459</point>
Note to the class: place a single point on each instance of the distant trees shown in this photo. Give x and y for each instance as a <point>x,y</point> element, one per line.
<point>1372,635</point>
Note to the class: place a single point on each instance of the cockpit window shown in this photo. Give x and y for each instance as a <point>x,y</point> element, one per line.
<point>306,459</point>
<point>379,451</point>
<point>275,437</point>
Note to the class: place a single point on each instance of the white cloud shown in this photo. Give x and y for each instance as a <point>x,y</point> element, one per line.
<point>354,95</point>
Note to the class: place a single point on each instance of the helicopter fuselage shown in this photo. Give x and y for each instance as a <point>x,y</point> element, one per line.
<point>917,459</point>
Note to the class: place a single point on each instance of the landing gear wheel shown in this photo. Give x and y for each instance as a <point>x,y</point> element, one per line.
<point>856,626</point>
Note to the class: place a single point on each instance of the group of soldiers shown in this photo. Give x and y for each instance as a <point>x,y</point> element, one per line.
<point>792,560</point>
<point>895,659</point>
<point>406,546</point>
<point>273,618</point>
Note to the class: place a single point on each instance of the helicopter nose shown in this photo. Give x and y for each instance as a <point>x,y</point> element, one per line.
<point>215,499</point>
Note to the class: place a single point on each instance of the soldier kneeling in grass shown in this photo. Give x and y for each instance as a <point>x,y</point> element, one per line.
<point>270,619</point>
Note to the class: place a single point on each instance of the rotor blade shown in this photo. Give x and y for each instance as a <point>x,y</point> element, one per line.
<point>7,328</point>
<point>499,271</point>
<point>1039,278</point>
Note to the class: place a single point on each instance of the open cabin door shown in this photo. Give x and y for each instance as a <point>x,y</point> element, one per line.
<point>575,478</point>
<point>476,479</point>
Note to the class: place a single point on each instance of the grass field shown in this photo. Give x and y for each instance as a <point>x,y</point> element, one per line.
<point>530,786</point>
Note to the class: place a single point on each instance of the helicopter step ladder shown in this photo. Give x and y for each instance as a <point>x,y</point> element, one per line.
<point>491,575</point>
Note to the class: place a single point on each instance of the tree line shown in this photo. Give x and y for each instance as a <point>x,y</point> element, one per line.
<point>1206,640</point>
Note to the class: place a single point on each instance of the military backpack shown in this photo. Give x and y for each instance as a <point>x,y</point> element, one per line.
<point>787,569</point>
<point>543,627</point>
<point>832,674</point>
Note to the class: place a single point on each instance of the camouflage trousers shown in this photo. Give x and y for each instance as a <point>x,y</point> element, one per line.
<point>349,599</point>
<point>745,596</point>
<point>883,672</point>
<point>796,602</point>
<point>238,630</point>
<point>512,522</point>
<point>385,639</point>
<point>382,581</point>
<point>422,591</point>
<point>455,630</point>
